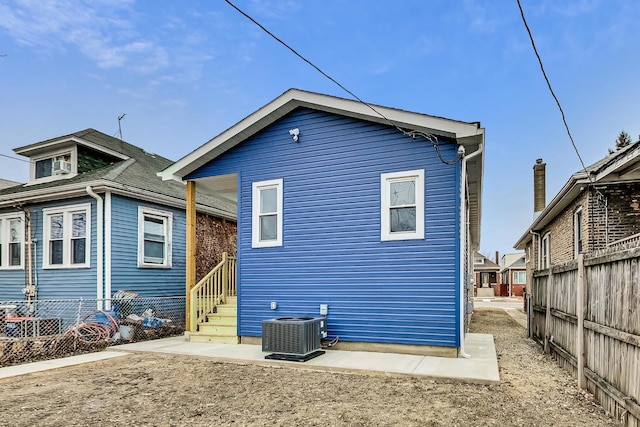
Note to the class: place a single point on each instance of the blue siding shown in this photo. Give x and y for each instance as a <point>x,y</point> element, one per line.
<point>125,273</point>
<point>53,283</point>
<point>393,291</point>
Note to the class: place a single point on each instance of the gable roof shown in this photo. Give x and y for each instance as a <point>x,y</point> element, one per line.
<point>135,175</point>
<point>488,264</point>
<point>619,167</point>
<point>512,261</point>
<point>469,135</point>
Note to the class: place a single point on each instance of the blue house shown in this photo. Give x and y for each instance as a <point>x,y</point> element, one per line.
<point>368,212</point>
<point>95,218</point>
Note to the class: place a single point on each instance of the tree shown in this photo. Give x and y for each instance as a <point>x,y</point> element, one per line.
<point>623,140</point>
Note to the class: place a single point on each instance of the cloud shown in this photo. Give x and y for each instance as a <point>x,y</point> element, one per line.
<point>95,28</point>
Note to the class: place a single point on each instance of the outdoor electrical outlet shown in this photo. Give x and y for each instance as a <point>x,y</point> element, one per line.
<point>324,309</point>
<point>274,305</point>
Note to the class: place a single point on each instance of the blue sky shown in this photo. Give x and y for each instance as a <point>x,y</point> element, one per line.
<point>185,71</point>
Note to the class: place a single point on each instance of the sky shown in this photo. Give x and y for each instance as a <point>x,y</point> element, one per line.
<point>183,72</point>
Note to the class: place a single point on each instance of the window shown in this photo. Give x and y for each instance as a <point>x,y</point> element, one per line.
<point>545,252</point>
<point>519,277</point>
<point>154,238</point>
<point>67,232</point>
<point>478,261</point>
<point>266,214</point>
<point>577,233</point>
<point>402,205</point>
<point>11,241</point>
<point>55,165</point>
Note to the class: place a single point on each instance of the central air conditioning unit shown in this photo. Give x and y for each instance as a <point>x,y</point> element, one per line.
<point>61,167</point>
<point>293,338</point>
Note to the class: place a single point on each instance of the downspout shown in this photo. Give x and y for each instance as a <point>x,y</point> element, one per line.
<point>107,249</point>
<point>99,248</point>
<point>528,296</point>
<point>463,240</point>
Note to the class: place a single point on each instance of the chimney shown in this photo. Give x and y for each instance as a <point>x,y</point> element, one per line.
<point>539,187</point>
<point>497,258</point>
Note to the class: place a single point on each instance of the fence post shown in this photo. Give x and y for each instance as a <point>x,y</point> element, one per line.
<point>547,323</point>
<point>580,327</point>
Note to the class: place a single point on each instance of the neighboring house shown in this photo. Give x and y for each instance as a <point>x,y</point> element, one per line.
<point>5,183</point>
<point>337,206</point>
<point>95,218</point>
<point>487,275</point>
<point>514,273</point>
<point>595,209</point>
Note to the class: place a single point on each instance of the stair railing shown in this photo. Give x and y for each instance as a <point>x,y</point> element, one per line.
<point>213,290</point>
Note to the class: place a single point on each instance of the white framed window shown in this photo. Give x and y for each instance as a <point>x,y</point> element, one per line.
<point>154,238</point>
<point>266,214</point>
<point>478,261</point>
<point>545,252</point>
<point>12,241</point>
<point>402,205</point>
<point>519,277</point>
<point>577,232</point>
<point>67,234</point>
<point>54,165</point>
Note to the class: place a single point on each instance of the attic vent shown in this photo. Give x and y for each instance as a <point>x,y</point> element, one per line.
<point>61,167</point>
<point>293,338</point>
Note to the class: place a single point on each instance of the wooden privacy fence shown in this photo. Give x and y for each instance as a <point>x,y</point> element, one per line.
<point>587,313</point>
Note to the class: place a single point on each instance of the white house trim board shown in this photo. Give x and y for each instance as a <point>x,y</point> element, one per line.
<point>166,219</point>
<point>67,214</point>
<point>257,213</point>
<point>387,180</point>
<point>107,249</point>
<point>294,98</point>
<point>5,240</point>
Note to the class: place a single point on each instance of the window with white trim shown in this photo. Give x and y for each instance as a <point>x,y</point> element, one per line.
<point>12,241</point>
<point>67,232</point>
<point>545,252</point>
<point>519,277</point>
<point>577,233</point>
<point>266,214</point>
<point>402,205</point>
<point>154,237</point>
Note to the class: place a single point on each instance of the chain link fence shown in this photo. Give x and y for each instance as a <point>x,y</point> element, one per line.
<point>50,329</point>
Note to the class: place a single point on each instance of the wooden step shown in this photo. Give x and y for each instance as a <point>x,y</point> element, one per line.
<point>200,337</point>
<point>217,319</point>
<point>218,330</point>
<point>232,300</point>
<point>227,310</point>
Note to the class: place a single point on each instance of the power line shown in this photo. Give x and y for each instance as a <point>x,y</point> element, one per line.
<point>411,133</point>
<point>14,158</point>
<point>564,120</point>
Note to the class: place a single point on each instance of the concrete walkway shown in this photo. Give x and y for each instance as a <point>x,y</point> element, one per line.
<point>480,368</point>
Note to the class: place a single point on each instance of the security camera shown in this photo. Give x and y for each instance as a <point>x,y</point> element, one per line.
<point>294,133</point>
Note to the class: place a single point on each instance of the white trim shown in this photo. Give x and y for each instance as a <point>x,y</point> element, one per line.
<point>386,179</point>
<point>468,133</point>
<point>36,149</point>
<point>514,274</point>
<point>99,247</point>
<point>66,211</point>
<point>545,247</point>
<point>73,159</point>
<point>577,230</point>
<point>5,240</point>
<point>167,220</point>
<point>107,248</point>
<point>255,213</point>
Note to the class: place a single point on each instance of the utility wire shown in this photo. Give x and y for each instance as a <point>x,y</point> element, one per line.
<point>411,133</point>
<point>14,158</point>
<point>564,120</point>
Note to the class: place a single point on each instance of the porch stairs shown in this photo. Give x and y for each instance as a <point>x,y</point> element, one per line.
<point>220,327</point>
<point>213,306</point>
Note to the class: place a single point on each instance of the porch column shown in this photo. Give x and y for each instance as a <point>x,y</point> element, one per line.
<point>191,248</point>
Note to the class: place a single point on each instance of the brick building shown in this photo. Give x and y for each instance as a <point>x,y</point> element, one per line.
<point>597,207</point>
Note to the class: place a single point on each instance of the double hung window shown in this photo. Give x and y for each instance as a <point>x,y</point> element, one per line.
<point>266,214</point>
<point>154,238</point>
<point>402,205</point>
<point>67,231</point>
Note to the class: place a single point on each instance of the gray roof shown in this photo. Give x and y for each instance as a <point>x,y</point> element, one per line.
<point>137,173</point>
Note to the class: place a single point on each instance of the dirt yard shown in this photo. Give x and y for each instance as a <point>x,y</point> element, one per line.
<point>162,390</point>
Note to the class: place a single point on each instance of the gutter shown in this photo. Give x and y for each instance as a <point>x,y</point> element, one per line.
<point>99,246</point>
<point>463,240</point>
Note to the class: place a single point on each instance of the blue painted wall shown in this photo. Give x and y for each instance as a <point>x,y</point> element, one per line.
<point>74,283</point>
<point>125,273</point>
<point>394,291</point>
